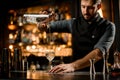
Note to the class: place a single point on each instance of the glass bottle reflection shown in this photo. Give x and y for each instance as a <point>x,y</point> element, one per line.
<point>115,68</point>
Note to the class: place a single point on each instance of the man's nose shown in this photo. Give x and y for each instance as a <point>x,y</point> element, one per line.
<point>85,10</point>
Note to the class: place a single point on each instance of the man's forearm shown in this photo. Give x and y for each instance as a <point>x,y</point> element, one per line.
<point>84,62</point>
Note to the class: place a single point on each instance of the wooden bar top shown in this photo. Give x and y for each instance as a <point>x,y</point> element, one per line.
<point>44,75</point>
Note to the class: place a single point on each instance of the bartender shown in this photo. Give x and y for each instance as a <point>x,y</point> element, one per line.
<point>92,37</point>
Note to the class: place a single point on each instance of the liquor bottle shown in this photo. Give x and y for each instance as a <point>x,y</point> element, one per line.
<point>5,62</point>
<point>17,59</point>
<point>24,64</point>
<point>115,68</point>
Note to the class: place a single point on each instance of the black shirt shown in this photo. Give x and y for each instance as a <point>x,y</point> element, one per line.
<point>100,33</point>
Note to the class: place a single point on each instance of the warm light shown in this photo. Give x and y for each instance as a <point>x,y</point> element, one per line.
<point>33,47</point>
<point>11,27</point>
<point>69,43</point>
<point>11,47</point>
<point>20,44</point>
<point>63,46</point>
<point>28,48</point>
<point>44,35</point>
<point>33,38</point>
<point>11,36</point>
<point>29,26</point>
<point>67,16</point>
<point>100,12</point>
<point>20,24</point>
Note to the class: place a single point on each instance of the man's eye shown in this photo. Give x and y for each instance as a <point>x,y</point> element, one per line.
<point>91,7</point>
<point>83,6</point>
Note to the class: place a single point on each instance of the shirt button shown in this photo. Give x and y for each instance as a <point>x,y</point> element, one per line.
<point>93,36</point>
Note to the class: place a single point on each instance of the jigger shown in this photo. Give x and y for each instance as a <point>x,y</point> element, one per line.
<point>92,67</point>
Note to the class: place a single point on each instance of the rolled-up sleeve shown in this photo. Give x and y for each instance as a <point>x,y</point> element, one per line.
<point>107,39</point>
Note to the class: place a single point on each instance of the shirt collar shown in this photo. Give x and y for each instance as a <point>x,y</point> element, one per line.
<point>95,18</point>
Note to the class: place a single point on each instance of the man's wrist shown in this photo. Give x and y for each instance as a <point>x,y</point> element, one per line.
<point>48,26</point>
<point>74,65</point>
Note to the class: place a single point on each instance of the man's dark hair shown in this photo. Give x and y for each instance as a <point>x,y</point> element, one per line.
<point>95,1</point>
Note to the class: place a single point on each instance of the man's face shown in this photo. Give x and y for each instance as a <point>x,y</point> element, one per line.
<point>88,9</point>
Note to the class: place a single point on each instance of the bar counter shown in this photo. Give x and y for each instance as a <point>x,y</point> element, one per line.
<point>44,75</point>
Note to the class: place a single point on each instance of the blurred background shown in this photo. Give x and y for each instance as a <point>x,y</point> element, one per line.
<point>13,32</point>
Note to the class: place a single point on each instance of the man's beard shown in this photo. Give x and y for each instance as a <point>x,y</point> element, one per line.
<point>87,17</point>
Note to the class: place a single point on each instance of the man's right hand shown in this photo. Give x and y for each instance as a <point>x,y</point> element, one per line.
<point>42,26</point>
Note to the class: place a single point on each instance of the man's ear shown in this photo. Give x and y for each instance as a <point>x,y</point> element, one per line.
<point>99,6</point>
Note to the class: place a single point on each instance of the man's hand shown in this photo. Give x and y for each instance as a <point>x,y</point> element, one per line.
<point>43,24</point>
<point>78,64</point>
<point>63,68</point>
